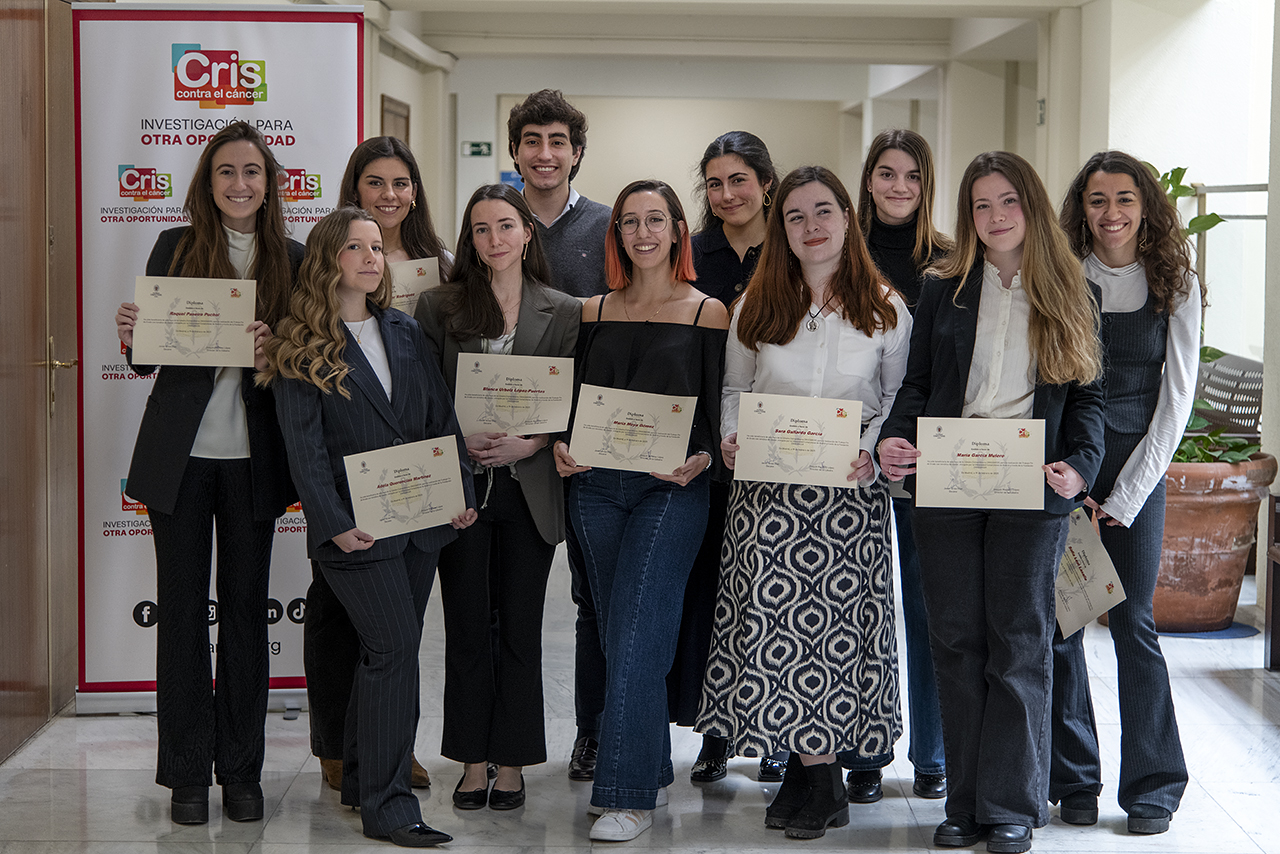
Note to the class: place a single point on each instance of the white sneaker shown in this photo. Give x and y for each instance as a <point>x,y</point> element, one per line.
<point>621,825</point>
<point>592,809</point>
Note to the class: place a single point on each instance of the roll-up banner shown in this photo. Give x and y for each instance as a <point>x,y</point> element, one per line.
<point>152,85</point>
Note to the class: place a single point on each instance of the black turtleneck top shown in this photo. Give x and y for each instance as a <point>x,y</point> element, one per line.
<point>891,247</point>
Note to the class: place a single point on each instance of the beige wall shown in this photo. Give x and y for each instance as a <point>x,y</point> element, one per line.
<point>622,145</point>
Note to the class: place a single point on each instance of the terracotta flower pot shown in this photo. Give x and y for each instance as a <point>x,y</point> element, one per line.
<point>1210,524</point>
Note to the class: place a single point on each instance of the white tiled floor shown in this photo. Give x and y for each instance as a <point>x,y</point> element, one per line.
<point>86,784</point>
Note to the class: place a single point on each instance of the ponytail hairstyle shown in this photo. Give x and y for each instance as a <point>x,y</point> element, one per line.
<point>753,152</point>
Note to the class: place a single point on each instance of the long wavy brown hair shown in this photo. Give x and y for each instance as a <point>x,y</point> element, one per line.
<point>1165,256</point>
<point>310,342</point>
<point>417,231</point>
<point>1064,318</point>
<point>471,310</point>
<point>928,239</point>
<point>778,297</point>
<point>202,252</point>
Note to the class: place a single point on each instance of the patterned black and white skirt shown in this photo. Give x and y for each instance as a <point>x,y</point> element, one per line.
<point>804,656</point>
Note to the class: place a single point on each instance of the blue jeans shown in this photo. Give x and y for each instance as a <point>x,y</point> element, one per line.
<point>639,536</point>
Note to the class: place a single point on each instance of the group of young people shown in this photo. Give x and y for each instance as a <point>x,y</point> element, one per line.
<point>762,614</point>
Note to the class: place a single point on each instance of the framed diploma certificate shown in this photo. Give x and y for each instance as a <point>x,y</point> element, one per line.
<point>1087,585</point>
<point>194,321</point>
<point>631,430</point>
<point>517,395</point>
<point>411,278</point>
<point>406,488</point>
<point>791,439</point>
<point>987,463</point>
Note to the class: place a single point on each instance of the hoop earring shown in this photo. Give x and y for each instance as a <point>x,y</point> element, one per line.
<point>767,201</point>
<point>1144,242</point>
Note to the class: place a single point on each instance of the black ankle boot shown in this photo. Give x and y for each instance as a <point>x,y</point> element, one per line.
<point>826,806</point>
<point>792,794</point>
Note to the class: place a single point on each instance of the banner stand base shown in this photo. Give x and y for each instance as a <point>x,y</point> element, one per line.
<point>108,702</point>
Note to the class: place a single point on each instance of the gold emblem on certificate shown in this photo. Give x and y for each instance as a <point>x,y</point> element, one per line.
<point>185,321</point>
<point>405,488</point>
<point>1087,585</point>
<point>631,430</point>
<point>409,279</point>
<point>791,439</point>
<point>517,395</point>
<point>987,463</point>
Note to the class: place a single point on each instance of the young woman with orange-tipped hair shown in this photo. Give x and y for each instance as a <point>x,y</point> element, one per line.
<point>655,332</point>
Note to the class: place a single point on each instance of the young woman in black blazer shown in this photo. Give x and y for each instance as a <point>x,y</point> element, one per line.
<point>1008,328</point>
<point>351,374</point>
<point>209,447</point>
<point>497,301</point>
<point>382,177</point>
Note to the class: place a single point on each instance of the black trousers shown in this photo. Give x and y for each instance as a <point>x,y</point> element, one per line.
<point>385,600</point>
<point>494,582</point>
<point>988,589</point>
<point>588,649</point>
<point>330,653</point>
<point>199,728</point>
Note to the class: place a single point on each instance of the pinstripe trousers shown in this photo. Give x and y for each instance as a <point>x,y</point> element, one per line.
<point>1152,768</point>
<point>385,600</point>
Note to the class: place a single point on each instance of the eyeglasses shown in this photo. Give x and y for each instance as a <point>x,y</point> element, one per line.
<point>655,223</point>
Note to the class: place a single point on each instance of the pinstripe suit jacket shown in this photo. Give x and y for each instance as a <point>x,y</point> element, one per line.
<point>547,326</point>
<point>320,429</point>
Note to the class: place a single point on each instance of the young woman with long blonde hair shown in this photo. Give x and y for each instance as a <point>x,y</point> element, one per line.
<point>1006,328</point>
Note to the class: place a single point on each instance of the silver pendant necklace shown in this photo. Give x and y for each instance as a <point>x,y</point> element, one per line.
<point>812,325</point>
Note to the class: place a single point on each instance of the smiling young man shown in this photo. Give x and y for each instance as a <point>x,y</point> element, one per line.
<point>546,136</point>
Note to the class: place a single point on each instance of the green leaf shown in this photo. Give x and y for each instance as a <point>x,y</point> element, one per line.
<point>1210,354</point>
<point>1155,173</point>
<point>1176,175</point>
<point>1233,457</point>
<point>1181,191</point>
<point>1202,223</point>
<point>1201,403</point>
<point>1196,423</point>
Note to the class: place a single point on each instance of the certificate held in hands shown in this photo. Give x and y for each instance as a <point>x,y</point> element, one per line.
<point>805,440</point>
<point>516,395</point>
<point>984,463</point>
<point>184,321</point>
<point>406,488</point>
<point>631,430</point>
<point>409,279</point>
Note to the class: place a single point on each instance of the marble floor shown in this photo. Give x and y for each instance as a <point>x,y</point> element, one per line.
<point>85,784</point>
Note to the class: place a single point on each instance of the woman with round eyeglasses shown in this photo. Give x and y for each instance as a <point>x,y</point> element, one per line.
<point>895,215</point>
<point>804,657</point>
<point>1129,236</point>
<point>737,177</point>
<point>656,333</point>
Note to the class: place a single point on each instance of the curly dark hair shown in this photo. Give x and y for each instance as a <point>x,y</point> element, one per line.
<point>543,108</point>
<point>1162,248</point>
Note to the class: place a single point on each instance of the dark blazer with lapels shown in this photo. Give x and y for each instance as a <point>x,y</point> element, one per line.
<point>320,429</point>
<point>547,326</point>
<point>942,341</point>
<point>176,407</point>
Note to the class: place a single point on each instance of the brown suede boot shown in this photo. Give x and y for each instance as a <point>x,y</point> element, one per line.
<point>331,770</point>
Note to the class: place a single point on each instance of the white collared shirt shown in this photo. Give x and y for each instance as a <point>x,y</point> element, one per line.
<point>837,361</point>
<point>1002,373</point>
<point>574,195</point>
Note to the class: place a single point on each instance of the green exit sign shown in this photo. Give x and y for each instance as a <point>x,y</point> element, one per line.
<point>477,149</point>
